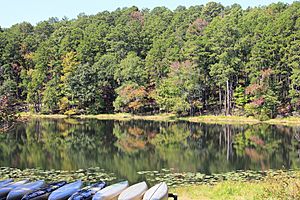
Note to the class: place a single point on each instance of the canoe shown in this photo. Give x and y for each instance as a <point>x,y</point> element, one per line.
<point>134,192</point>
<point>19,192</point>
<point>157,192</point>
<point>7,188</point>
<point>5,182</point>
<point>111,192</point>
<point>43,193</point>
<point>65,191</point>
<point>88,192</point>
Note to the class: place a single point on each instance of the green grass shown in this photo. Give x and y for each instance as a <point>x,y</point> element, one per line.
<point>225,190</point>
<point>117,116</point>
<point>285,121</point>
<point>281,187</point>
<point>210,119</point>
<point>126,116</point>
<point>221,119</point>
<point>34,115</point>
<point>158,117</point>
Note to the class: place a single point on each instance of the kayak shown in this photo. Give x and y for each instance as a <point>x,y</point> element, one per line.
<point>111,191</point>
<point>134,192</point>
<point>88,192</point>
<point>65,191</point>
<point>19,192</point>
<point>157,192</point>
<point>43,193</point>
<point>7,188</point>
<point>5,182</point>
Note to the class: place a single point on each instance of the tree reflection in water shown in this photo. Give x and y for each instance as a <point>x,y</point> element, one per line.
<point>126,147</point>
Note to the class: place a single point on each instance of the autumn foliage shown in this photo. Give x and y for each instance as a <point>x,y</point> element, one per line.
<point>7,113</point>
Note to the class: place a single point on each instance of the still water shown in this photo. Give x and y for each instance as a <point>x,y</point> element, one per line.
<point>128,147</point>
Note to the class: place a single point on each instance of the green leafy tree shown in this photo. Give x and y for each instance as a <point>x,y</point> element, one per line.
<point>240,97</point>
<point>131,69</point>
<point>177,92</point>
<point>223,36</point>
<point>212,10</point>
<point>85,90</point>
<point>106,67</point>
<point>85,65</point>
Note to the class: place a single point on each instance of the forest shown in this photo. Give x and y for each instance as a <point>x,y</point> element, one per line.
<point>205,59</point>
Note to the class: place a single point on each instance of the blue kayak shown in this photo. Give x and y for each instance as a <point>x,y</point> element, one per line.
<point>43,193</point>
<point>65,191</point>
<point>19,192</point>
<point>9,187</point>
<point>5,182</point>
<point>88,192</point>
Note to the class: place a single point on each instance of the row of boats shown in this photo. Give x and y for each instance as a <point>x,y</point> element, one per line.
<point>39,190</point>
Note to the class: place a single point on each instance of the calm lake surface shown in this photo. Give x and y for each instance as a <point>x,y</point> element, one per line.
<point>128,147</point>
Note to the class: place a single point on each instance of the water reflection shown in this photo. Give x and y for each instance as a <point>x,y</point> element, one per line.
<point>125,148</point>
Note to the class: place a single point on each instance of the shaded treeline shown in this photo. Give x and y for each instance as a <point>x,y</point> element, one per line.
<point>202,59</point>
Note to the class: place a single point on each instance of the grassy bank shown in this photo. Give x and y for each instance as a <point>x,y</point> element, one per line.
<point>117,116</point>
<point>285,121</point>
<point>240,185</point>
<point>126,116</point>
<point>33,115</point>
<point>211,119</point>
<point>159,117</point>
<point>225,190</point>
<point>280,187</point>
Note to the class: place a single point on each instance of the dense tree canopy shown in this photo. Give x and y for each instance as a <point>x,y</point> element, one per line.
<point>203,59</point>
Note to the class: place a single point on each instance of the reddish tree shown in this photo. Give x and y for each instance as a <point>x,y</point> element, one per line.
<point>197,26</point>
<point>137,15</point>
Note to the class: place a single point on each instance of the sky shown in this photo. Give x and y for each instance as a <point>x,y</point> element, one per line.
<point>33,11</point>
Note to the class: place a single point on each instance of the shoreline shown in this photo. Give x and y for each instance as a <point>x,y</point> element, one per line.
<point>209,119</point>
<point>272,184</point>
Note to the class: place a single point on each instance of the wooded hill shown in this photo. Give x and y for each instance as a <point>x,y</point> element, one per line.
<point>202,59</point>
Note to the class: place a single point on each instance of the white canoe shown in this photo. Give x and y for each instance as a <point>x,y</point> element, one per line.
<point>65,191</point>
<point>157,192</point>
<point>10,186</point>
<point>134,192</point>
<point>5,182</point>
<point>22,190</point>
<point>111,191</point>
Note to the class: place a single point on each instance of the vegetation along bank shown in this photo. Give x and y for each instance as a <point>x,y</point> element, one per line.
<point>249,185</point>
<point>205,59</point>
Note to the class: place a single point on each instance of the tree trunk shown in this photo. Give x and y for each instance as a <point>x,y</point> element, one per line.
<point>225,101</point>
<point>220,98</point>
<point>228,97</point>
<point>191,108</point>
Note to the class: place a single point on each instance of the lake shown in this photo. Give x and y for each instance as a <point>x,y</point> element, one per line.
<point>126,148</point>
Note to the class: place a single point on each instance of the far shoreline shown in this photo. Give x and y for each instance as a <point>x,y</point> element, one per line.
<point>208,119</point>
